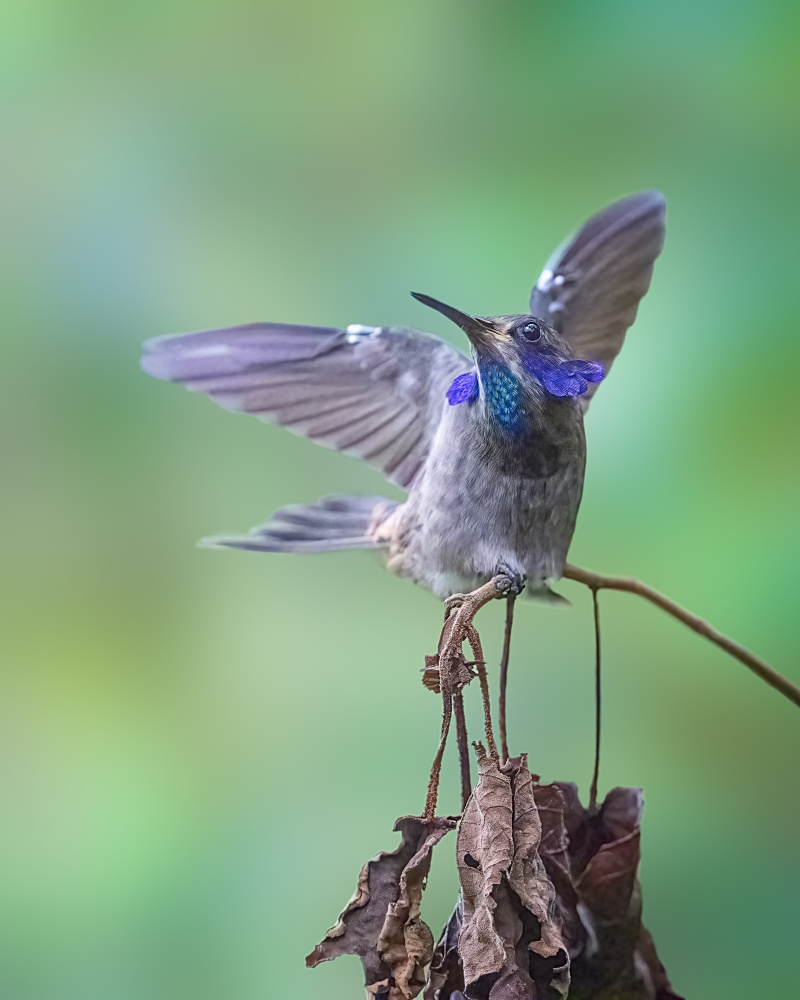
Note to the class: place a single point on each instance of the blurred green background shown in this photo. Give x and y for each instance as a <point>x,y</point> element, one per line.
<point>199,749</point>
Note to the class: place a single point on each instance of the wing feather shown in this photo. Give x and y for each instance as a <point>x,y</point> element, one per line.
<point>377,393</point>
<point>591,287</point>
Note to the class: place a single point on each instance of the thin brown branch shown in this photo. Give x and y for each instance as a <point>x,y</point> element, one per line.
<point>445,683</point>
<point>759,667</point>
<point>460,611</point>
<point>597,705</point>
<point>483,680</point>
<point>504,673</point>
<point>463,747</point>
<point>436,767</point>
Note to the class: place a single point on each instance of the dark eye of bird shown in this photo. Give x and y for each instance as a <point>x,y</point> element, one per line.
<point>530,331</point>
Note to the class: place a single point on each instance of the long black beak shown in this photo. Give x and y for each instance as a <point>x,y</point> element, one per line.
<point>478,331</point>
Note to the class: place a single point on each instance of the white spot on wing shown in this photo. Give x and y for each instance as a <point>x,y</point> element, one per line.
<point>210,351</point>
<point>407,382</point>
<point>545,280</point>
<point>356,331</point>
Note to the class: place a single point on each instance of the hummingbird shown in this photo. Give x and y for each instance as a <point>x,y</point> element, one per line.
<point>489,447</point>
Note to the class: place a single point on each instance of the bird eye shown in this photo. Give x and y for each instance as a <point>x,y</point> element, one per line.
<point>530,331</point>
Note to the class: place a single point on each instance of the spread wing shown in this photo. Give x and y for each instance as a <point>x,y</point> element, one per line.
<point>591,287</point>
<point>376,393</point>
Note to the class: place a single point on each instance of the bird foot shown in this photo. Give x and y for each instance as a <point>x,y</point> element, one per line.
<point>502,584</point>
<point>507,582</point>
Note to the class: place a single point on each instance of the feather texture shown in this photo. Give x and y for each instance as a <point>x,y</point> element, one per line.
<point>376,393</point>
<point>494,484</point>
<point>591,287</point>
<point>334,522</point>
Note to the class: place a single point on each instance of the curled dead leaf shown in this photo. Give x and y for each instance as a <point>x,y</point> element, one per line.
<point>510,942</point>
<point>406,943</point>
<point>381,922</point>
<point>591,862</point>
<point>462,673</point>
<point>613,956</point>
<point>446,973</point>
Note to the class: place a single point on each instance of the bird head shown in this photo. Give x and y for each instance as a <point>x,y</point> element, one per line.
<point>520,347</point>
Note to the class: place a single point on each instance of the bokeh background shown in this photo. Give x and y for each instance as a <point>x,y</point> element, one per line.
<point>199,749</point>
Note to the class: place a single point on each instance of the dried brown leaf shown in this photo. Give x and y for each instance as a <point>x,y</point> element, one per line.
<point>592,863</point>
<point>528,877</point>
<point>406,942</point>
<point>461,673</point>
<point>613,956</point>
<point>554,852</point>
<point>510,943</point>
<point>381,921</point>
<point>431,677</point>
<point>446,973</point>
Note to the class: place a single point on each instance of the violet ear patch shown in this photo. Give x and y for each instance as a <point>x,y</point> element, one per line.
<point>564,378</point>
<point>590,370</point>
<point>463,389</point>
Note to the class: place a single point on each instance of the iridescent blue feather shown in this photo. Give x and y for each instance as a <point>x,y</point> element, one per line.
<point>464,389</point>
<point>563,378</point>
<point>559,378</point>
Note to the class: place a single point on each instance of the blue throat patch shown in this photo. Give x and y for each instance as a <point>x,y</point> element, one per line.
<point>503,392</point>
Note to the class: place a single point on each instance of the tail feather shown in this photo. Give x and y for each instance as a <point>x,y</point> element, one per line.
<point>333,523</point>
